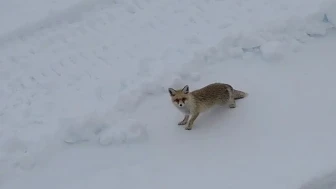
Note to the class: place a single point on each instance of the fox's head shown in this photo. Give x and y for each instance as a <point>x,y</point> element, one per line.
<point>179,97</point>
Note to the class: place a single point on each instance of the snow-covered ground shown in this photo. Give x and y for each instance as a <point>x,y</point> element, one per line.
<point>324,181</point>
<point>84,100</point>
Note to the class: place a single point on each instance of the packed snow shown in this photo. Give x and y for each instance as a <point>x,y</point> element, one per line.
<point>84,97</point>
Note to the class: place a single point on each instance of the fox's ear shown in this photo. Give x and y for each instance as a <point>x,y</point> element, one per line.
<point>172,92</point>
<point>185,89</point>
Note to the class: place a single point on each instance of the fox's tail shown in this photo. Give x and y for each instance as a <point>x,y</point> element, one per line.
<point>239,94</point>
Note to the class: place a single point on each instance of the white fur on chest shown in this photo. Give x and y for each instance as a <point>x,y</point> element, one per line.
<point>184,109</point>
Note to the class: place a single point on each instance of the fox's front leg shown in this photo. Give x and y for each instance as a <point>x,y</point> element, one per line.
<point>184,121</point>
<point>191,121</point>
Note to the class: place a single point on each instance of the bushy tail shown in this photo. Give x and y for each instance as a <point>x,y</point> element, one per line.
<point>239,94</point>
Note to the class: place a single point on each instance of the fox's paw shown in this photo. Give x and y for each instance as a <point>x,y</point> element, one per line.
<point>182,122</point>
<point>188,128</point>
<point>232,105</point>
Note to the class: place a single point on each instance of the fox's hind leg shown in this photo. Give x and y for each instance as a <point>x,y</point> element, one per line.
<point>232,102</point>
<point>231,99</point>
<point>184,121</point>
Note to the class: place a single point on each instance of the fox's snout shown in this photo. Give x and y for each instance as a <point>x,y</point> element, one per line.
<point>180,102</point>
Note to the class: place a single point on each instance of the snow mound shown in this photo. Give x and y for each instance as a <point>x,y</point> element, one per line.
<point>129,130</point>
<point>99,130</point>
<point>272,50</point>
<point>130,99</point>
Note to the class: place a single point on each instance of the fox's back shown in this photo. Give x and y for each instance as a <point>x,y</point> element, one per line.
<point>216,93</point>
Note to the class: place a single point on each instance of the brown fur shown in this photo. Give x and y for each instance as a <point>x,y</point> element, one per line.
<point>195,102</point>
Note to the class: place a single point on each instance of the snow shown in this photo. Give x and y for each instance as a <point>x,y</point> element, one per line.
<point>326,181</point>
<point>84,97</point>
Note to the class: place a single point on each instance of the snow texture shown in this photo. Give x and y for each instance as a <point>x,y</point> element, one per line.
<point>84,100</point>
<point>326,181</point>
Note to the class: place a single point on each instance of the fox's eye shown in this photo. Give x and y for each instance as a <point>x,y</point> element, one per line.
<point>184,99</point>
<point>176,100</point>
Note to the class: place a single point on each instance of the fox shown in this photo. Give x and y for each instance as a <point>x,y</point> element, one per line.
<point>191,104</point>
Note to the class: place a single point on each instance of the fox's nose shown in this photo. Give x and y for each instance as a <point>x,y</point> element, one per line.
<point>180,104</point>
